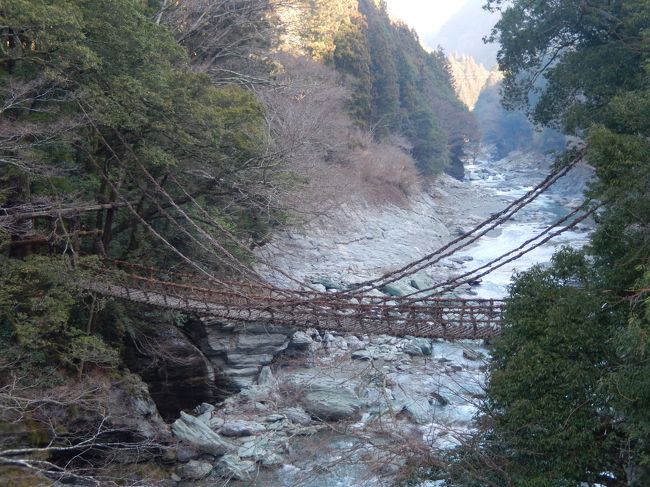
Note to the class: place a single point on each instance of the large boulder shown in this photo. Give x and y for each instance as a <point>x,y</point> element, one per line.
<point>239,351</point>
<point>240,427</point>
<point>233,467</point>
<point>331,405</point>
<point>197,433</point>
<point>418,347</point>
<point>397,289</point>
<point>298,415</point>
<point>300,343</point>
<point>330,401</point>
<point>421,281</point>
<point>194,470</point>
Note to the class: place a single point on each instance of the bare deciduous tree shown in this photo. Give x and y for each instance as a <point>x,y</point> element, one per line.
<point>68,433</point>
<point>229,39</point>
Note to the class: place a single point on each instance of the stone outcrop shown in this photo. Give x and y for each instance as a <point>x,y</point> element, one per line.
<point>239,351</point>
<point>194,470</point>
<point>331,402</point>
<point>177,373</point>
<point>198,433</point>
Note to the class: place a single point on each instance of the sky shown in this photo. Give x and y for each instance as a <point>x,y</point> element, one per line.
<point>426,16</point>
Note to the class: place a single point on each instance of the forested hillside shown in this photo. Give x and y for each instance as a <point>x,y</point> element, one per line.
<point>179,135</point>
<point>397,87</point>
<point>568,395</point>
<point>511,130</point>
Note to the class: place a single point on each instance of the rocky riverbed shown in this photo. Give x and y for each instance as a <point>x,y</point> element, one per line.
<point>318,409</point>
<point>336,410</point>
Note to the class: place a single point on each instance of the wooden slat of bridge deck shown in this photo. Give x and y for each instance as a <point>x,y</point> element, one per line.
<point>439,320</point>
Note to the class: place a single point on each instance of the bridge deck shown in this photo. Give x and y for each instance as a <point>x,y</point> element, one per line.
<point>446,318</point>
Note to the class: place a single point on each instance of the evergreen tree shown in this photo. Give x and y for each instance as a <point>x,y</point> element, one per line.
<point>567,397</point>
<point>397,87</point>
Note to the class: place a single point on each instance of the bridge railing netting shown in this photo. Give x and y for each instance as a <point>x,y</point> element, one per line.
<point>449,318</point>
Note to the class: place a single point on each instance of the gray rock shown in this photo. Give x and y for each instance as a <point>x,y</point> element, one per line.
<point>362,355</point>
<point>340,343</point>
<point>272,459</point>
<point>421,282</point>
<point>439,398</point>
<point>194,470</point>
<point>412,349</point>
<point>355,344</point>
<point>473,355</point>
<point>265,343</point>
<point>277,426</point>
<point>245,376</point>
<point>186,453</point>
<point>318,287</point>
<point>331,404</point>
<point>418,346</point>
<point>199,434</point>
<point>234,372</point>
<point>416,407</point>
<point>382,340</point>
<point>243,383</point>
<point>298,415</point>
<point>300,343</point>
<point>240,427</point>
<point>248,360</point>
<point>203,408</point>
<point>272,418</point>
<point>327,283</point>
<point>256,393</point>
<point>215,422</point>
<point>397,289</point>
<point>233,467</point>
<point>266,377</point>
<point>205,417</point>
<point>256,449</point>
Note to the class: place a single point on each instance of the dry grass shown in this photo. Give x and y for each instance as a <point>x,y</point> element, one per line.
<point>333,162</point>
<point>386,174</point>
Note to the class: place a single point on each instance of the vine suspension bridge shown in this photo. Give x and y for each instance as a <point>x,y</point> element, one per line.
<point>427,313</point>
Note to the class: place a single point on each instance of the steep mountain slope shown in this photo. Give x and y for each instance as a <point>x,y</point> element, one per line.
<point>464,31</point>
<point>470,78</point>
<point>398,88</point>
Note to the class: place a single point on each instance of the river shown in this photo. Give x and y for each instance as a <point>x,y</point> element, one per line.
<point>534,218</point>
<point>400,401</point>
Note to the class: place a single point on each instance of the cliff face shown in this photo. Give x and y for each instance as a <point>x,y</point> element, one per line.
<point>471,78</point>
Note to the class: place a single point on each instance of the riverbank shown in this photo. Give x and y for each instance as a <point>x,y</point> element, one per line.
<point>329,410</point>
<point>364,241</point>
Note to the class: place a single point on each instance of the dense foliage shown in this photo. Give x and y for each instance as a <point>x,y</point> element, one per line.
<point>509,130</point>
<point>568,392</point>
<point>112,143</point>
<point>398,87</point>
<point>103,119</point>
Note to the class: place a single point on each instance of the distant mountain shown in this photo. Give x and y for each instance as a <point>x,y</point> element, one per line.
<point>463,34</point>
<point>469,76</point>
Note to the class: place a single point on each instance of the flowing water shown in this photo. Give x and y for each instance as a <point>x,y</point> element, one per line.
<point>348,455</point>
<point>529,222</point>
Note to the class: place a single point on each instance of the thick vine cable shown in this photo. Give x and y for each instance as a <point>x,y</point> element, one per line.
<point>520,251</point>
<point>467,238</point>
